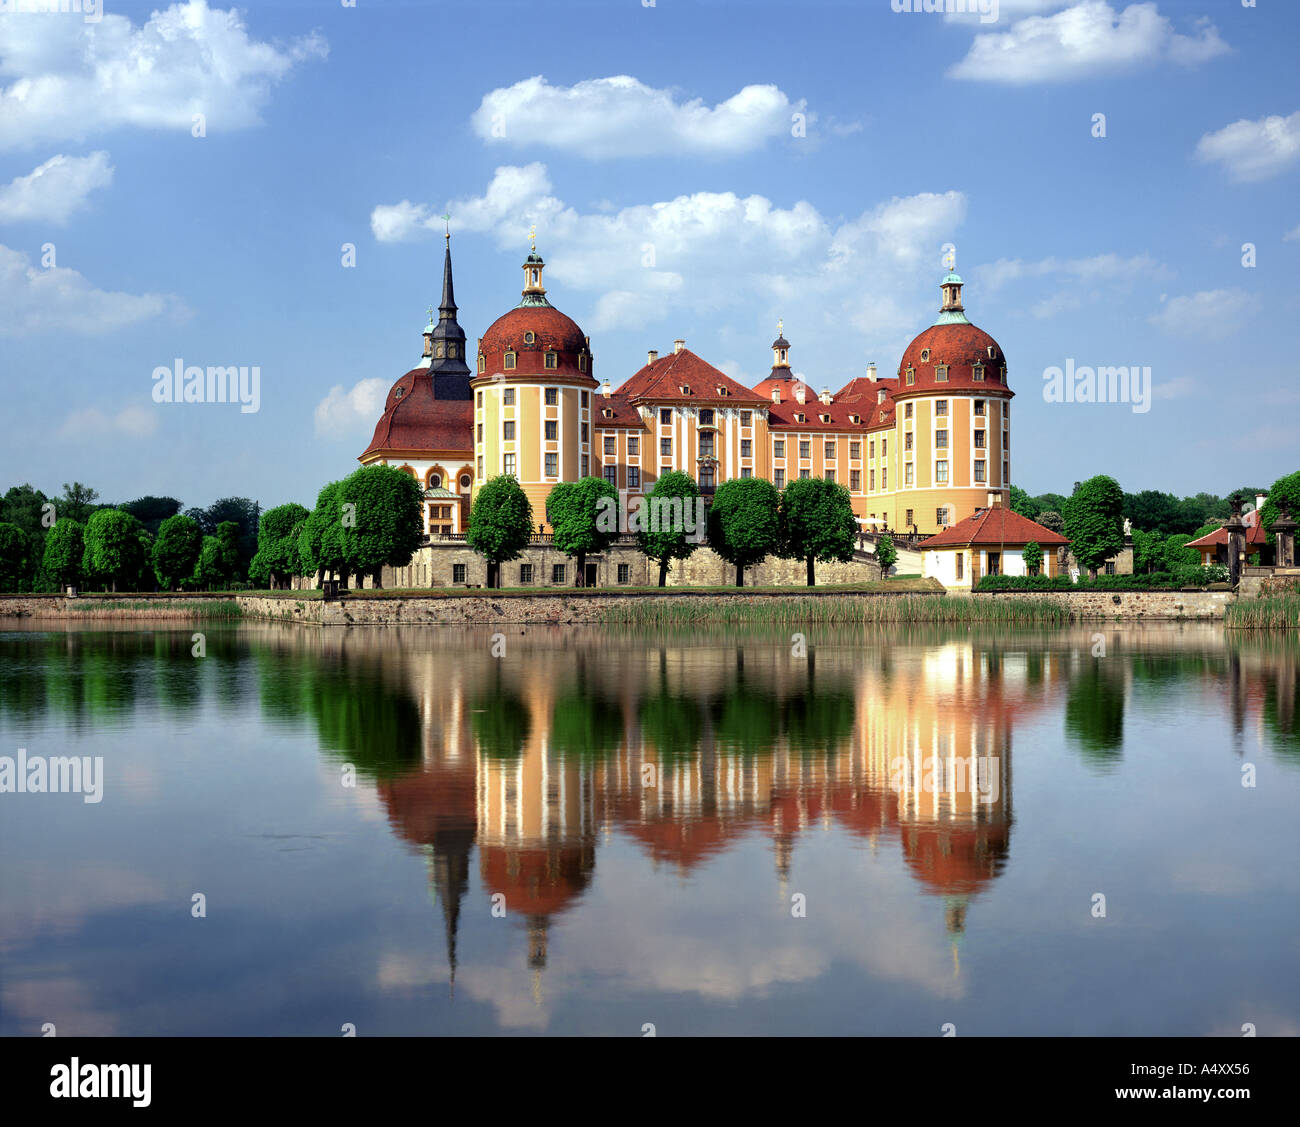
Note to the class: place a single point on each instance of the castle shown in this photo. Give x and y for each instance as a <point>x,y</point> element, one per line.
<point>918,451</point>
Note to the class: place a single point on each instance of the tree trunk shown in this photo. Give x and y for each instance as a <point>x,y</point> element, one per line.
<point>812,581</point>
<point>493,574</point>
<point>320,578</point>
<point>582,569</point>
<point>379,576</point>
<point>740,575</point>
<point>663,572</point>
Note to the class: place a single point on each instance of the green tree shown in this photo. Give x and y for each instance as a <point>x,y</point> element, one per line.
<point>665,536</point>
<point>1033,556</point>
<point>1023,504</point>
<point>500,523</point>
<point>584,519</point>
<point>77,502</point>
<point>886,554</point>
<point>16,562</point>
<point>1284,489</point>
<point>1051,519</point>
<point>1153,511</point>
<point>745,523</point>
<point>1148,551</point>
<point>244,511</point>
<point>816,522</point>
<point>276,558</point>
<point>64,547</point>
<point>320,542</point>
<point>152,511</point>
<point>381,519</point>
<point>176,550</point>
<point>24,506</point>
<point>1175,554</point>
<point>1049,502</point>
<point>1094,518</point>
<point>114,549</point>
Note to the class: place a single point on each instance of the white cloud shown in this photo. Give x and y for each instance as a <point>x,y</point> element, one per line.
<point>1076,281</point>
<point>621,117</point>
<point>1209,313</point>
<point>1253,150</point>
<point>1292,235</point>
<point>646,264</point>
<point>36,300</point>
<point>67,78</point>
<point>54,190</point>
<point>93,422</point>
<point>344,411</point>
<point>1085,40</point>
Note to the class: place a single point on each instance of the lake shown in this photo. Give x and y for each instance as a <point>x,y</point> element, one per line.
<point>568,830</point>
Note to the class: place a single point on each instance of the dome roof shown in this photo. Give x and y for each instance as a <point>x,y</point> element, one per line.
<point>960,346</point>
<point>552,332</point>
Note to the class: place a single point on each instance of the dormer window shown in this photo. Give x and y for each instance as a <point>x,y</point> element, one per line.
<point>582,361</point>
<point>911,376</point>
<point>941,373</point>
<point>855,419</point>
<point>993,352</point>
<point>685,389</point>
<point>530,337</point>
<point>400,392</point>
<point>510,360</point>
<point>826,418</point>
<point>552,360</point>
<point>1004,373</point>
<point>977,371</point>
<point>482,362</point>
<point>800,419</point>
<point>608,412</point>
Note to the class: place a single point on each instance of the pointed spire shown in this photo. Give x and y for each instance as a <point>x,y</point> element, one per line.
<point>447,310</point>
<point>445,344</point>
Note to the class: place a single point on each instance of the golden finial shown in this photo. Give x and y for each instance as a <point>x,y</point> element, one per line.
<point>431,315</point>
<point>446,221</point>
<point>532,236</point>
<point>780,328</point>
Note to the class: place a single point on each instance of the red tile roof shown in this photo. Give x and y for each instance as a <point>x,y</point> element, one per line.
<point>1255,533</point>
<point>997,525</point>
<point>414,420</point>
<point>781,416</point>
<point>662,381</point>
<point>624,414</point>
<point>961,347</point>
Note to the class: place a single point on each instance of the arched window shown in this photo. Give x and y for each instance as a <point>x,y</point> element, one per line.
<point>510,360</point>
<point>435,481</point>
<point>482,362</point>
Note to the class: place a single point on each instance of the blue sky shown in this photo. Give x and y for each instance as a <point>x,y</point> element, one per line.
<point>675,193</point>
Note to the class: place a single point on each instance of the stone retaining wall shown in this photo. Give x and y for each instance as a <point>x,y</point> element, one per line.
<point>1130,606</point>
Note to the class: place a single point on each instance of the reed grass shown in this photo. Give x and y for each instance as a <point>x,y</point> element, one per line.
<point>846,609</point>
<point>185,608</point>
<point>1271,612</point>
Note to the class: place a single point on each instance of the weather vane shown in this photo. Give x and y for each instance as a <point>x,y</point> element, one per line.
<point>780,327</point>
<point>950,259</point>
<point>430,315</point>
<point>446,220</point>
<point>532,236</point>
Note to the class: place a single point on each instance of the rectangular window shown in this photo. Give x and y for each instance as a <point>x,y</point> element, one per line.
<point>910,520</point>
<point>508,463</point>
<point>884,480</point>
<point>510,360</point>
<point>610,447</point>
<point>830,475</point>
<point>979,406</point>
<point>804,475</point>
<point>458,573</point>
<point>557,573</point>
<point>855,481</point>
<point>941,373</point>
<point>552,430</point>
<point>941,473</point>
<point>830,452</point>
<point>941,516</point>
<point>1006,477</point>
<point>907,440</point>
<point>666,447</point>
<point>552,465</point>
<point>666,416</point>
<point>552,399</point>
<point>583,399</point>
<point>872,480</point>
<point>941,406</point>
<point>941,439</point>
<point>634,477</point>
<point>778,448</point>
<point>778,479</point>
<point>961,562</point>
<point>746,447</point>
<point>550,359</point>
<point>480,432</point>
<point>884,450</point>
<point>584,466</point>
<point>1110,567</point>
<point>855,451</point>
<point>979,440</point>
<point>746,418</point>
<point>480,467</point>
<point>979,470</point>
<point>480,399</point>
<point>508,430</point>
<point>907,474</point>
<point>624,573</point>
<point>582,432</point>
<point>871,449</point>
<point>706,477</point>
<point>611,475</point>
<point>805,449</point>
<point>706,416</point>
<point>508,396</point>
<point>525,573</point>
<point>747,471</point>
<point>706,444</point>
<point>907,411</point>
<point>633,446</point>
<point>911,376</point>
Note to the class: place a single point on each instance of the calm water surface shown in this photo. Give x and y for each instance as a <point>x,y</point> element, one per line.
<point>710,832</point>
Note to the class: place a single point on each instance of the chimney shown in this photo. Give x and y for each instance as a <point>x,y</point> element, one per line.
<point>995,500</point>
<point>799,391</point>
<point>826,395</point>
<point>678,345</point>
<point>776,395</point>
<point>871,371</point>
<point>1260,498</point>
<point>605,389</point>
<point>652,356</point>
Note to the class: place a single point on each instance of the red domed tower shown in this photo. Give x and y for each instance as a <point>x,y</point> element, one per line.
<point>952,421</point>
<point>533,395</point>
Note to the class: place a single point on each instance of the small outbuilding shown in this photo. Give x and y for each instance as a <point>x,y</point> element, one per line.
<point>992,542</point>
